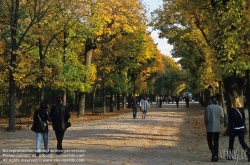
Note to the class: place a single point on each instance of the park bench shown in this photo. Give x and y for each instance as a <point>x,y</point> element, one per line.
<point>19,122</point>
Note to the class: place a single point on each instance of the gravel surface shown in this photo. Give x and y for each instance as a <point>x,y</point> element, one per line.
<point>168,136</point>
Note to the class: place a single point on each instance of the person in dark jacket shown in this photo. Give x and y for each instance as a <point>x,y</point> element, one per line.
<point>177,99</point>
<point>237,127</point>
<point>59,115</point>
<point>134,106</point>
<point>40,126</point>
<point>213,117</point>
<point>187,101</point>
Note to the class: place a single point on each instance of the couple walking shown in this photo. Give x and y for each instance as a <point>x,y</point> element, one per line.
<point>59,116</point>
<point>214,116</point>
<point>144,106</point>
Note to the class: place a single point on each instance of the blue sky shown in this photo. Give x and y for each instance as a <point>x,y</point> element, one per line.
<point>163,46</point>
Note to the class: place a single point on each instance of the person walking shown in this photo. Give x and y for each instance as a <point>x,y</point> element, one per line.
<point>177,99</point>
<point>237,127</point>
<point>144,106</point>
<point>160,102</point>
<point>187,101</point>
<point>134,106</point>
<point>59,115</point>
<point>157,101</point>
<point>213,117</point>
<point>40,126</point>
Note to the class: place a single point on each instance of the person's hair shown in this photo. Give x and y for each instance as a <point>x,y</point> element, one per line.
<point>236,103</point>
<point>44,104</point>
<point>213,99</point>
<point>58,99</point>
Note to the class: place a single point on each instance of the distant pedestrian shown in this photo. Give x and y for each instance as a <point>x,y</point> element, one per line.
<point>177,99</point>
<point>144,106</point>
<point>187,101</point>
<point>134,106</point>
<point>59,115</point>
<point>157,101</point>
<point>237,127</point>
<point>213,117</point>
<point>169,99</point>
<point>40,126</point>
<point>160,102</point>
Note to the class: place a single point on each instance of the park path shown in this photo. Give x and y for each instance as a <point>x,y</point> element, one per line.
<point>168,136</point>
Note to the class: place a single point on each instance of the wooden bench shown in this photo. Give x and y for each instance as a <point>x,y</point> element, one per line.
<point>19,122</point>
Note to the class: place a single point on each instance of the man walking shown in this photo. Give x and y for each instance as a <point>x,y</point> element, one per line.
<point>134,106</point>
<point>177,99</point>
<point>213,117</point>
<point>59,115</point>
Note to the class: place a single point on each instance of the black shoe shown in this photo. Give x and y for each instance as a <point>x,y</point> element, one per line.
<point>214,159</point>
<point>248,155</point>
<point>46,153</point>
<point>58,153</point>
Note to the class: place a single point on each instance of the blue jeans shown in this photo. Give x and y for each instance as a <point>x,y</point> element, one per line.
<point>45,141</point>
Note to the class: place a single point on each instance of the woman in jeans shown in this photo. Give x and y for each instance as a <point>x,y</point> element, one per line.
<point>40,126</point>
<point>237,127</point>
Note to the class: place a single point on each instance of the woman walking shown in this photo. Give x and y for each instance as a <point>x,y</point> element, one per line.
<point>40,126</point>
<point>144,106</point>
<point>237,127</point>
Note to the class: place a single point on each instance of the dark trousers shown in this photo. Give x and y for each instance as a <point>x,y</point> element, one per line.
<point>240,133</point>
<point>177,104</point>
<point>134,111</point>
<point>187,104</point>
<point>213,142</point>
<point>59,138</point>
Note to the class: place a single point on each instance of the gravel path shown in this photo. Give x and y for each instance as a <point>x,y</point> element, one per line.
<point>168,136</point>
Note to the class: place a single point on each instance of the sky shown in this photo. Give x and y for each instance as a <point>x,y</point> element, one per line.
<point>162,44</point>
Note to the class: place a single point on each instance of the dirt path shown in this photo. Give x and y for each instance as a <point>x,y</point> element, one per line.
<point>168,136</point>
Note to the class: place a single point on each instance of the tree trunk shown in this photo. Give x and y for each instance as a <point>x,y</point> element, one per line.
<point>53,98</point>
<point>124,101</point>
<point>14,12</point>
<point>103,98</point>
<point>93,101</point>
<point>64,93</point>
<point>89,46</point>
<point>42,94</point>
<point>118,101</point>
<point>222,103</point>
<point>81,110</point>
<point>12,110</point>
<point>111,103</point>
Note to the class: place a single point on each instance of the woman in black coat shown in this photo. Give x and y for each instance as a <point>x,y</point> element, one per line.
<point>40,126</point>
<point>237,127</point>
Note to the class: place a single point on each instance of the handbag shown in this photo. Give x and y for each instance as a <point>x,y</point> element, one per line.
<point>68,124</point>
<point>41,124</point>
